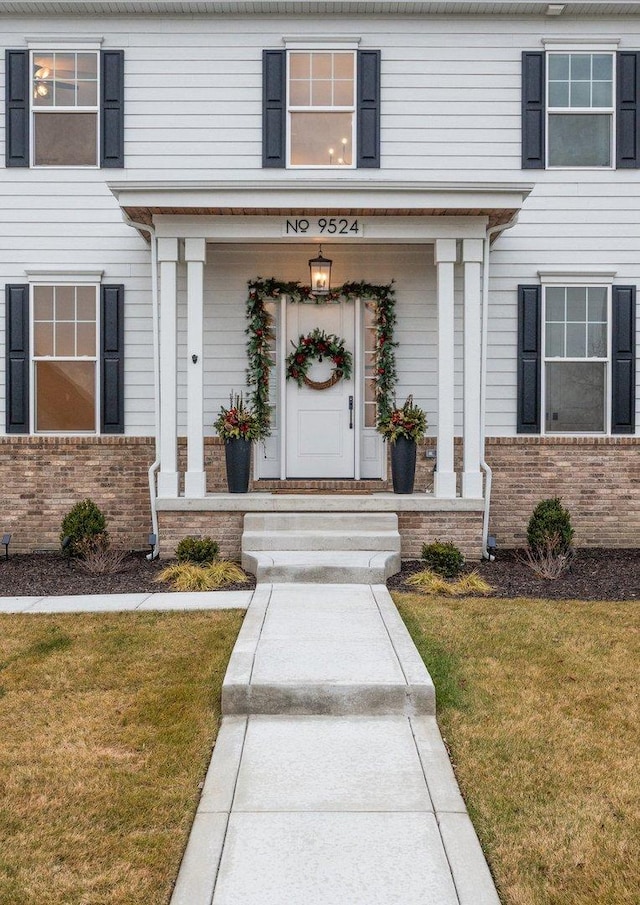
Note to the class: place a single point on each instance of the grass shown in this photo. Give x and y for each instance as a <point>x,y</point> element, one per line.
<point>538,703</point>
<point>106,727</point>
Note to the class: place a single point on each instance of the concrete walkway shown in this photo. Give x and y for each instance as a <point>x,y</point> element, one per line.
<point>329,782</point>
<point>126,603</point>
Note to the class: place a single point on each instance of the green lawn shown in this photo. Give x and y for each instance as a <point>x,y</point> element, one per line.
<point>106,728</point>
<point>538,704</point>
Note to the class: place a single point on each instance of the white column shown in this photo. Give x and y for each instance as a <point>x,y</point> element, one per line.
<point>445,477</point>
<point>195,481</point>
<point>168,475</point>
<point>471,474</point>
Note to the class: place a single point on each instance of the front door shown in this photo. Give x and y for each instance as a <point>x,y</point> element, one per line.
<point>320,424</point>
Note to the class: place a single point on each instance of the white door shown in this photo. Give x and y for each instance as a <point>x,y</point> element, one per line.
<point>321,424</point>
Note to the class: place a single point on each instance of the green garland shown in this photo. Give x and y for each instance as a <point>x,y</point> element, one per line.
<point>260,332</point>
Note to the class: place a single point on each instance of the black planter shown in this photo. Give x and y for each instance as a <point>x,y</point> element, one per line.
<point>238,458</point>
<point>403,465</point>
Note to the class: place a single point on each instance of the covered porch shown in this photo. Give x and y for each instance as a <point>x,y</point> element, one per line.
<point>437,236</point>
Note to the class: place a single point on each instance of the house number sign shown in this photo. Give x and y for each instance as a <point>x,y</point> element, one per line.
<point>347,227</point>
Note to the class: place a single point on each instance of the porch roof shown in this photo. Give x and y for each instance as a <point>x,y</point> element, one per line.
<point>497,202</point>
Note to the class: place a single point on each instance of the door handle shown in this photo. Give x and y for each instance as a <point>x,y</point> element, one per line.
<point>350,413</point>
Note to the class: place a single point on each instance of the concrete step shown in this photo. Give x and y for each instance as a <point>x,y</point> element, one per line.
<point>305,648</point>
<point>346,522</point>
<point>322,567</point>
<point>320,540</point>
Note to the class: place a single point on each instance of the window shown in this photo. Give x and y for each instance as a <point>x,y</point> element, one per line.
<point>64,106</point>
<point>370,339</point>
<point>64,358</point>
<point>580,112</point>
<point>576,358</point>
<point>64,101</point>
<point>65,355</point>
<point>576,354</point>
<point>580,107</point>
<point>321,108</point>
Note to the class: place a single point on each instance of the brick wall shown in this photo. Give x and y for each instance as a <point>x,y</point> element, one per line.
<point>598,480</point>
<point>41,478</point>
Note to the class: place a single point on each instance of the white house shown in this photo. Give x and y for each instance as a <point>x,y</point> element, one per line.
<point>481,158</point>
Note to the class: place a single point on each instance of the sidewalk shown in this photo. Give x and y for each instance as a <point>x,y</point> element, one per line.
<point>126,603</point>
<point>330,783</point>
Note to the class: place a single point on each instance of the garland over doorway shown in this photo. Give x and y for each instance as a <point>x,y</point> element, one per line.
<point>261,336</point>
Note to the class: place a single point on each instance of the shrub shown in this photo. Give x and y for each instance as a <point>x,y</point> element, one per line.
<point>200,550</point>
<point>187,576</point>
<point>84,520</point>
<point>97,556</point>
<point>443,558</point>
<point>549,529</point>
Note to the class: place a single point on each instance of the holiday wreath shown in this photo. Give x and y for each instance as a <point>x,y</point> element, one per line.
<point>318,345</point>
<point>261,337</point>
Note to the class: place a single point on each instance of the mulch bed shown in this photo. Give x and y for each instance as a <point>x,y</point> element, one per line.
<point>44,574</point>
<point>592,575</point>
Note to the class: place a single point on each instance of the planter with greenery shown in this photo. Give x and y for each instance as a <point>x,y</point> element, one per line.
<point>403,427</point>
<point>238,426</point>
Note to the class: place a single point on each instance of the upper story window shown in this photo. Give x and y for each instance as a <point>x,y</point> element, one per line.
<point>64,101</point>
<point>580,109</point>
<point>65,106</point>
<point>321,108</point>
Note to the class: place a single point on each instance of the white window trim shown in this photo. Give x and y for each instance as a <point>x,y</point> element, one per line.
<point>581,278</point>
<point>320,42</point>
<point>67,277</point>
<point>586,47</point>
<point>78,47</point>
<point>311,47</point>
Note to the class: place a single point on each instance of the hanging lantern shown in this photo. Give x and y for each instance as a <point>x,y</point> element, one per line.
<point>320,274</point>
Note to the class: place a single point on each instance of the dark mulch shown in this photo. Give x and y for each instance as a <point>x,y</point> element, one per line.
<point>592,575</point>
<point>43,574</point>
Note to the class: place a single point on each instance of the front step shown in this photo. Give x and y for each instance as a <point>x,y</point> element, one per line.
<point>321,547</point>
<point>322,567</point>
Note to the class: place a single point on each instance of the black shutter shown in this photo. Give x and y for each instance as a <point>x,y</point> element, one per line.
<point>274,92</point>
<point>17,358</point>
<point>533,110</point>
<point>112,359</point>
<point>17,84</point>
<point>368,108</point>
<point>112,108</point>
<point>627,113</point>
<point>529,359</point>
<point>623,360</point>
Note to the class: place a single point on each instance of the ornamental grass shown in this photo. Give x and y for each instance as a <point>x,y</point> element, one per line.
<point>186,576</point>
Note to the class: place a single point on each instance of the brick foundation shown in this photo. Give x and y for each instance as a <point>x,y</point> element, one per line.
<point>41,478</point>
<point>598,480</point>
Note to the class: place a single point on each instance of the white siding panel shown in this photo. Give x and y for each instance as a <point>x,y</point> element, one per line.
<point>450,111</point>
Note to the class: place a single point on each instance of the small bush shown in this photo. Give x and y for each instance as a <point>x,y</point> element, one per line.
<point>549,529</point>
<point>186,576</point>
<point>84,520</point>
<point>443,558</point>
<point>199,550</point>
<point>97,556</point>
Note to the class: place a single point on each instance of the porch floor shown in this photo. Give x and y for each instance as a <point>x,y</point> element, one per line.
<point>332,501</point>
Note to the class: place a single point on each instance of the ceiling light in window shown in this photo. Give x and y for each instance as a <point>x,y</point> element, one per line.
<point>42,73</point>
<point>40,90</point>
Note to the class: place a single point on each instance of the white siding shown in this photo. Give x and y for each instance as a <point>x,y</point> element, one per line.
<point>450,112</point>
